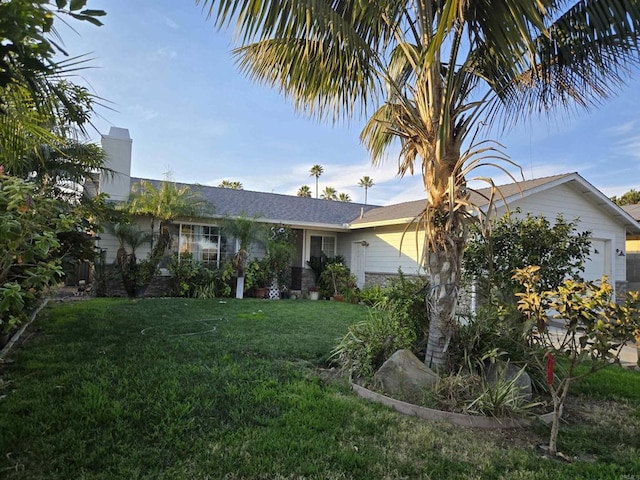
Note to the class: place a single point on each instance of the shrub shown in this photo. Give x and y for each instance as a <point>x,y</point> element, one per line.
<point>558,248</point>
<point>371,296</point>
<point>194,279</point>
<point>405,299</point>
<point>369,343</point>
<point>30,257</point>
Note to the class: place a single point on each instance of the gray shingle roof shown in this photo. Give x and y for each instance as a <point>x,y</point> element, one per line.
<point>633,210</point>
<point>276,208</point>
<point>407,211</point>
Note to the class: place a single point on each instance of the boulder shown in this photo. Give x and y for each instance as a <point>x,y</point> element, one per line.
<point>505,371</point>
<point>405,377</point>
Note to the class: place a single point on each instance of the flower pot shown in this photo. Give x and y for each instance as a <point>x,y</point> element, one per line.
<point>260,292</point>
<point>314,295</point>
<point>338,297</point>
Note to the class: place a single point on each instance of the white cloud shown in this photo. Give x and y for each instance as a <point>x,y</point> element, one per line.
<point>141,113</point>
<point>622,129</point>
<point>165,53</point>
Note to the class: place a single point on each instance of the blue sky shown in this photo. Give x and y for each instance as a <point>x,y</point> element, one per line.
<point>170,79</point>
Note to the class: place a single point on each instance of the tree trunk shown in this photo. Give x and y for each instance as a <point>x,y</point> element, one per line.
<point>444,273</point>
<point>559,397</point>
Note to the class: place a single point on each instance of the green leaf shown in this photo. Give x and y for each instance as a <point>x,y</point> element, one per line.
<point>77,5</point>
<point>86,18</point>
<point>61,3</point>
<point>93,13</point>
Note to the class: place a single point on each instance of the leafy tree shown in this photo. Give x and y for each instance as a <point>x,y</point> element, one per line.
<point>29,70</point>
<point>631,197</point>
<point>558,248</point>
<point>304,191</point>
<point>435,74</point>
<point>316,171</point>
<point>595,330</point>
<point>344,197</point>
<point>366,182</point>
<point>329,193</point>
<point>234,185</point>
<point>165,201</point>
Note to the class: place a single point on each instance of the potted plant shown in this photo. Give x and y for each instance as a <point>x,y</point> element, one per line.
<point>340,278</point>
<point>314,294</point>
<point>257,277</point>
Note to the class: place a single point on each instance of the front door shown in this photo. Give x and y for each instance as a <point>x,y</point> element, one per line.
<point>358,258</point>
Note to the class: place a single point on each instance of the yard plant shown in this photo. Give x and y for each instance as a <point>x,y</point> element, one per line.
<point>188,388</point>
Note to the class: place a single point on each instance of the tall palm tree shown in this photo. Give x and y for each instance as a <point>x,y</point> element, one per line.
<point>366,182</point>
<point>344,197</point>
<point>329,193</point>
<point>234,185</point>
<point>316,171</point>
<point>304,191</point>
<point>436,74</point>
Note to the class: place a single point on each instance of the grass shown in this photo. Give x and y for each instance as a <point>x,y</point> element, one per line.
<point>175,388</point>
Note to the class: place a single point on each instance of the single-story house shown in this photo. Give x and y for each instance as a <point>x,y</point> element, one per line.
<point>370,237</point>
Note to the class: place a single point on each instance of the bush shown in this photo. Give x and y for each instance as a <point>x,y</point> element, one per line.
<point>371,296</point>
<point>30,256</point>
<point>194,279</point>
<point>396,322</point>
<point>369,343</point>
<point>405,299</point>
<point>559,249</point>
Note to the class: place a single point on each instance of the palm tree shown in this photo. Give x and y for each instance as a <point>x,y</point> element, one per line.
<point>316,171</point>
<point>329,193</point>
<point>366,182</point>
<point>344,197</point>
<point>246,230</point>
<point>165,201</point>
<point>436,75</point>
<point>304,191</point>
<point>234,185</point>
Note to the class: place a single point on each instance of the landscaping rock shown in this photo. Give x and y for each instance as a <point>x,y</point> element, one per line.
<point>505,371</point>
<point>405,377</point>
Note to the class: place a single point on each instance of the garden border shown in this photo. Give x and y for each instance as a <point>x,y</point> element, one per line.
<point>460,419</point>
<point>16,336</point>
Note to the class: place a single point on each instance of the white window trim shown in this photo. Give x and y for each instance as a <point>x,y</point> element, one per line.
<point>317,233</point>
<point>197,224</point>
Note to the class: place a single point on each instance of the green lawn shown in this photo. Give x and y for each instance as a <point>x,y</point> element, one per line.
<point>203,389</point>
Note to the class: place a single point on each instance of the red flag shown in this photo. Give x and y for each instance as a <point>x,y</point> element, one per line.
<point>550,361</point>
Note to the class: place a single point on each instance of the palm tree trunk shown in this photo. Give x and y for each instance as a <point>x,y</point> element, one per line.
<point>444,274</point>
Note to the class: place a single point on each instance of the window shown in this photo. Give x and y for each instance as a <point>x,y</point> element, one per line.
<point>204,242</point>
<point>322,244</point>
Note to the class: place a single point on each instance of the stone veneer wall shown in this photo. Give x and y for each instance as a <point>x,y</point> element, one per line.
<point>160,286</point>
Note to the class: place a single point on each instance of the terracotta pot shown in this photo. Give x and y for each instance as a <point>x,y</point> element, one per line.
<point>338,297</point>
<point>260,292</point>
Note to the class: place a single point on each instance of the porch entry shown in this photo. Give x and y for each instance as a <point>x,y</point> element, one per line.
<point>358,261</point>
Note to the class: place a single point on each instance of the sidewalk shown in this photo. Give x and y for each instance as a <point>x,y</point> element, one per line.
<point>628,355</point>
